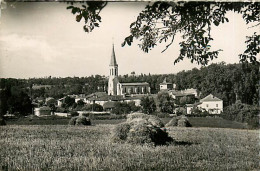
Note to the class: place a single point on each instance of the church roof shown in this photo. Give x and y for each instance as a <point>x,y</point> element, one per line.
<point>134,84</point>
<point>113,58</point>
<point>210,97</point>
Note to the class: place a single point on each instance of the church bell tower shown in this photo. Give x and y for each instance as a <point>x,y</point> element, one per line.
<point>113,74</point>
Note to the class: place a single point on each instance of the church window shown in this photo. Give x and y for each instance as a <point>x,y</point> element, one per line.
<point>112,72</point>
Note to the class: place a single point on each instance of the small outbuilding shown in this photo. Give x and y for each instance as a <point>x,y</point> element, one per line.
<point>41,111</point>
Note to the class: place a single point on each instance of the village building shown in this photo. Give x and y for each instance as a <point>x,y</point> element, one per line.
<point>42,111</point>
<point>166,85</point>
<point>117,88</point>
<point>211,104</point>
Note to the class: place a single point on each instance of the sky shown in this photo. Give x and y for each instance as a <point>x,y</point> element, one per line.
<point>39,39</point>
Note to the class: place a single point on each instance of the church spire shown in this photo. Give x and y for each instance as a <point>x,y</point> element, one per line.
<point>113,58</point>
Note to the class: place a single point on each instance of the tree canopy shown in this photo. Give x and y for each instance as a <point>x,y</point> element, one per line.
<point>161,21</point>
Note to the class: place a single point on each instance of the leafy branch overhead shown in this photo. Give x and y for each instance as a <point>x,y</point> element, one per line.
<point>90,12</point>
<point>160,22</point>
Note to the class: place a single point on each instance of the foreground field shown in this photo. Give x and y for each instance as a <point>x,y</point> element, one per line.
<point>63,147</point>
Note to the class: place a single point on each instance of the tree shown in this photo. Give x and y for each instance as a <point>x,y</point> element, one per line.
<point>165,102</point>
<point>148,105</point>
<point>161,21</point>
<point>121,108</point>
<point>80,103</point>
<point>69,101</point>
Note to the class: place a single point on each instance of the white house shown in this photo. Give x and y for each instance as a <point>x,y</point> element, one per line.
<point>211,104</point>
<point>42,111</point>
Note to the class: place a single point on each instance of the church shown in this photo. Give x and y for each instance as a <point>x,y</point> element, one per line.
<point>117,88</point>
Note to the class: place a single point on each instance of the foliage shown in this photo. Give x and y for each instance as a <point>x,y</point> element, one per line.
<point>14,100</point>
<point>69,101</point>
<point>198,112</point>
<point>80,103</point>
<point>55,147</point>
<point>165,102</point>
<point>148,105</point>
<point>242,113</point>
<point>73,114</point>
<point>93,107</point>
<point>161,21</point>
<point>124,108</point>
<point>2,121</point>
<point>90,12</point>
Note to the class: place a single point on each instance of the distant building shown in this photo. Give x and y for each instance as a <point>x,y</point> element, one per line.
<point>133,88</point>
<point>42,111</point>
<point>211,104</point>
<point>116,88</point>
<point>190,91</point>
<point>102,98</point>
<point>166,85</point>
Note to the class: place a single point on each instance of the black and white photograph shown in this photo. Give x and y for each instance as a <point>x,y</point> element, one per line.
<point>129,85</point>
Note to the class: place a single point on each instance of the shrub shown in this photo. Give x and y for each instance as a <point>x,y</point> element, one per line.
<point>241,112</point>
<point>2,122</point>
<point>73,114</point>
<point>141,128</point>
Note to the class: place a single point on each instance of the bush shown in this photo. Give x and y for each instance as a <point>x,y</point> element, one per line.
<point>141,128</point>
<point>241,112</point>
<point>73,114</point>
<point>79,120</point>
<point>2,122</point>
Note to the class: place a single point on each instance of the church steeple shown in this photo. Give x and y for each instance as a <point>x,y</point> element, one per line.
<point>113,57</point>
<point>113,74</point>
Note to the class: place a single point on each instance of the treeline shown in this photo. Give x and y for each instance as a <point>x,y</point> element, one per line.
<point>230,82</point>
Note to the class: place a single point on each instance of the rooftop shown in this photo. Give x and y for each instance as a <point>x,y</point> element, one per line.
<point>209,98</point>
<point>134,84</point>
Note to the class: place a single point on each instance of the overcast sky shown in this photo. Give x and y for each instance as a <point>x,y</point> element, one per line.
<point>40,39</point>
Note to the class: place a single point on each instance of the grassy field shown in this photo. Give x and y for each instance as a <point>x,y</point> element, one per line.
<point>62,147</point>
<point>195,121</point>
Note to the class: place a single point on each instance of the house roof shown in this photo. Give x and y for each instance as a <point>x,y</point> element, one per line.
<point>179,93</point>
<point>109,105</point>
<point>165,82</point>
<point>44,108</point>
<point>210,98</point>
<point>134,84</point>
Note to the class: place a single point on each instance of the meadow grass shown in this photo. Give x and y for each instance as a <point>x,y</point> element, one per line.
<point>62,147</point>
<point>195,122</point>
